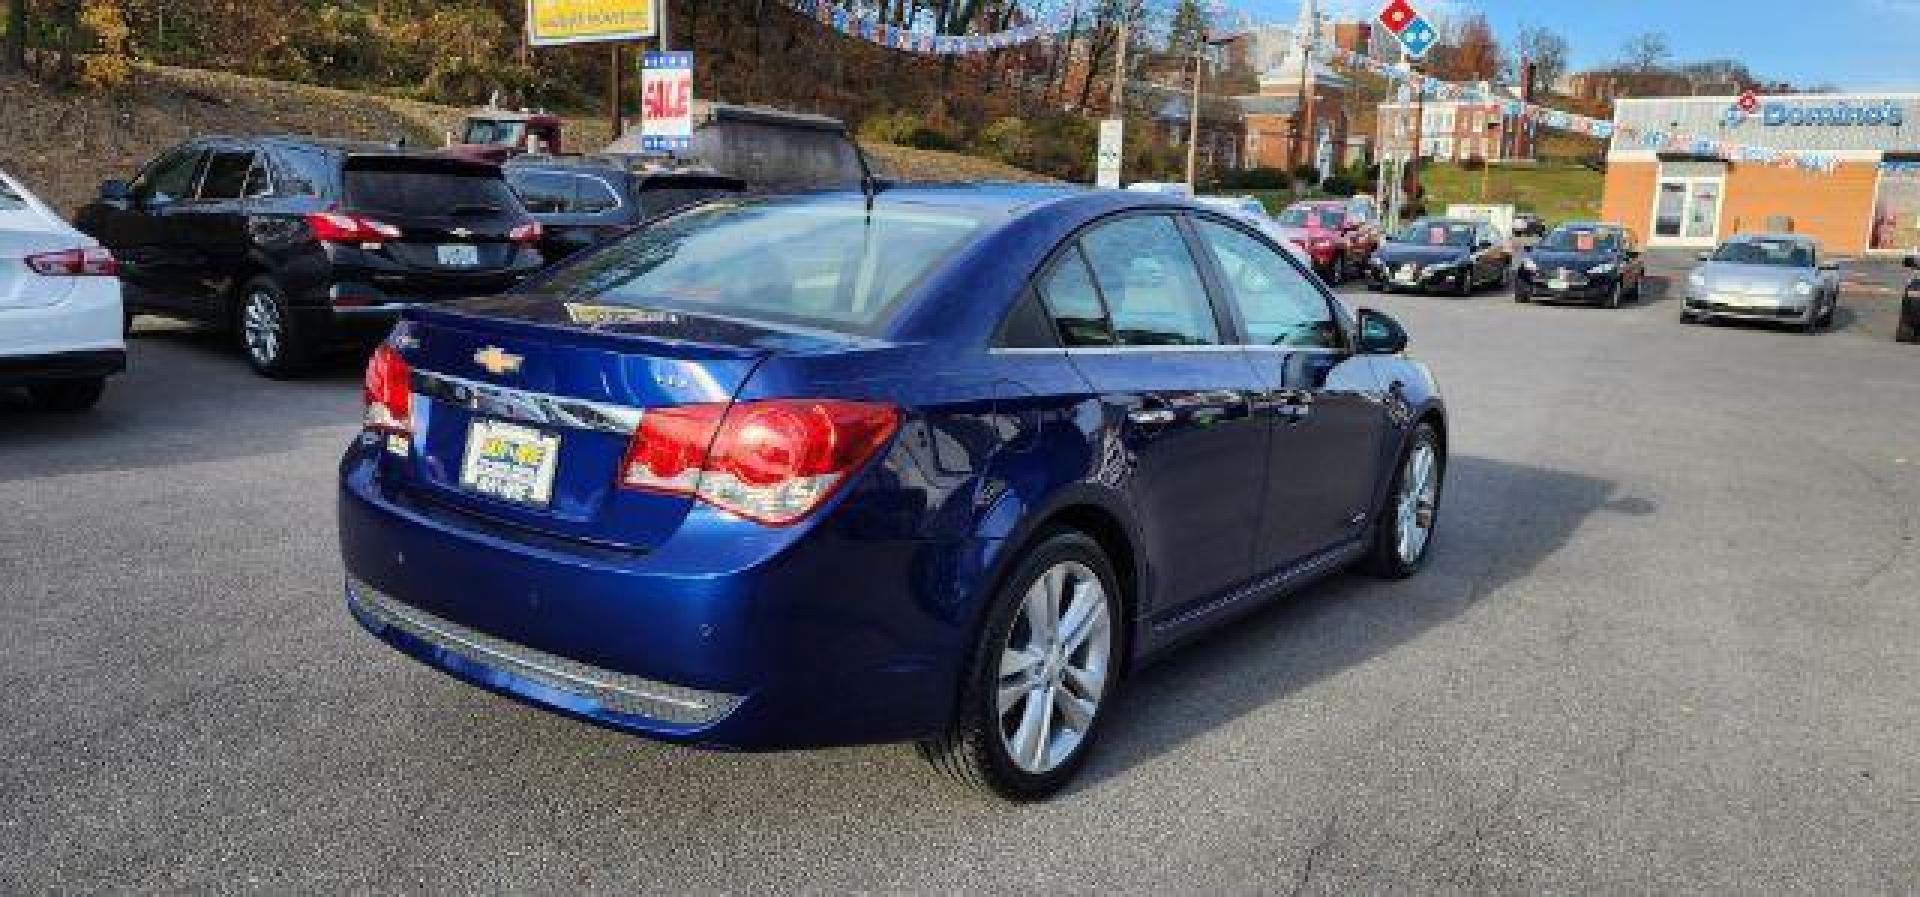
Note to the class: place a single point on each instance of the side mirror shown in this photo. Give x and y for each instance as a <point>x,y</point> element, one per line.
<point>1913,261</point>
<point>115,191</point>
<point>1380,334</point>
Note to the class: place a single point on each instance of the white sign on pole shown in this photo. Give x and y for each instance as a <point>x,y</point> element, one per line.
<point>1107,160</point>
<point>666,102</point>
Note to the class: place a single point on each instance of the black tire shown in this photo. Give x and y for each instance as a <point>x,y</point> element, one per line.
<point>1613,295</point>
<point>1639,288</point>
<point>272,343</point>
<point>1465,288</point>
<point>67,396</point>
<point>1385,558</point>
<point>1826,317</point>
<point>974,751</point>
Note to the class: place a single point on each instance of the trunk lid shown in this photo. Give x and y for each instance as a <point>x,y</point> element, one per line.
<point>574,377</point>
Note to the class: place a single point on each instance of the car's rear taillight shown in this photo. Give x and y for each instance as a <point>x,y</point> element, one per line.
<point>389,392</point>
<point>340,227</point>
<point>89,262</point>
<point>526,233</point>
<point>772,461</point>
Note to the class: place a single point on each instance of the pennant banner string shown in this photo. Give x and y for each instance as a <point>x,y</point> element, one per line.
<point>895,38</point>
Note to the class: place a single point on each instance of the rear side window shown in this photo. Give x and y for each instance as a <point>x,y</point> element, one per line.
<point>592,196</point>
<point>826,263</point>
<point>1152,288</point>
<point>226,176</point>
<point>1075,301</point>
<point>304,172</point>
<point>426,194</point>
<point>543,193</point>
<point>1278,304</point>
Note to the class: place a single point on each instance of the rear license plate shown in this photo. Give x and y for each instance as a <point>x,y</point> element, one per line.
<point>1558,283</point>
<point>510,462</point>
<point>458,255</point>
<point>1405,274</point>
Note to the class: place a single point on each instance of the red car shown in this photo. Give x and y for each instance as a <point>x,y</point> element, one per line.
<point>1337,240</point>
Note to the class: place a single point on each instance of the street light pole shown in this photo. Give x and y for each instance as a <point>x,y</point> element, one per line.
<point>1193,114</point>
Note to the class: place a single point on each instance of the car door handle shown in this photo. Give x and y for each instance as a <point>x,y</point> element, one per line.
<point>1152,417</point>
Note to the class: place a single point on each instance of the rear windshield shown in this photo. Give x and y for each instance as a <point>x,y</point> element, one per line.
<point>1581,239</point>
<point>426,194</point>
<point>9,200</point>
<point>835,266</point>
<point>1784,253</point>
<point>1437,233</point>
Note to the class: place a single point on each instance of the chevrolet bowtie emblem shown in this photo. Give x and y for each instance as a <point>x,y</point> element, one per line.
<point>497,361</point>
<point>461,232</point>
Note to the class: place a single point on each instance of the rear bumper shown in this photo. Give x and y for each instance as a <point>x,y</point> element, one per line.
<point>1591,287</point>
<point>731,640</point>
<point>25,370</point>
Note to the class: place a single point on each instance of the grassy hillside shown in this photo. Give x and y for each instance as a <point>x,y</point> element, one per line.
<point>1557,192</point>
<point>62,144</point>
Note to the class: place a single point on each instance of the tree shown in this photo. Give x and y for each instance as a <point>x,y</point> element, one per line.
<point>1547,51</point>
<point>1188,30</point>
<point>1471,52</point>
<point>15,56</point>
<point>1647,52</point>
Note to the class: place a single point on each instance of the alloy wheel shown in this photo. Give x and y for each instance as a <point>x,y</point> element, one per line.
<point>1054,667</point>
<point>1419,492</point>
<point>262,327</point>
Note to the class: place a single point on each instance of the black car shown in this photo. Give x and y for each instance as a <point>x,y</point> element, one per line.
<point>1588,262</point>
<point>1527,224</point>
<point>301,244</point>
<point>1910,307</point>
<point>1451,255</point>
<point>582,200</point>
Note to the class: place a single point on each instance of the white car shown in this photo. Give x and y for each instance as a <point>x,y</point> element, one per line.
<point>62,324</point>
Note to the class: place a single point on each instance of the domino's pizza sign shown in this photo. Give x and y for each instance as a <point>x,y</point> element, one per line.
<point>1406,24</point>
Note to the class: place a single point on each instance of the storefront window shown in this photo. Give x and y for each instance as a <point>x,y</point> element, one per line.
<point>1896,207</point>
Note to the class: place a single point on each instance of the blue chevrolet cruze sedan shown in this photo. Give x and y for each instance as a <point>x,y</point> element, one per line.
<point>937,465</point>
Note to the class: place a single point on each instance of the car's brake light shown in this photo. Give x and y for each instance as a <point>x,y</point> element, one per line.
<point>389,392</point>
<point>526,233</point>
<point>772,461</point>
<point>89,262</point>
<point>340,227</point>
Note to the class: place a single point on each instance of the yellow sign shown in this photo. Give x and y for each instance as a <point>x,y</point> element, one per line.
<point>554,22</point>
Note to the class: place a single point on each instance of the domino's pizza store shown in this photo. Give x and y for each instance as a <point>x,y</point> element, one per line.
<point>1868,204</point>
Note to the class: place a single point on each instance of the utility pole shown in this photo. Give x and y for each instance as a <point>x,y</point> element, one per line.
<point>614,66</point>
<point>1193,115</point>
<point>1419,129</point>
<point>1120,64</point>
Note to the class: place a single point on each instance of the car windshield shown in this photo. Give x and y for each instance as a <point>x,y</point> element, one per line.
<point>1781,253</point>
<point>1581,239</point>
<point>826,264</point>
<point>1436,233</point>
<point>1303,216</point>
<point>501,133</point>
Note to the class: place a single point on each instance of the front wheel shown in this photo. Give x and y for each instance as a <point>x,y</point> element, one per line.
<point>1403,533</point>
<point>67,396</point>
<point>1044,666</point>
<point>1613,295</point>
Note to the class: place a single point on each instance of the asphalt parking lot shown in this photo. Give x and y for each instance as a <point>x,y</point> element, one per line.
<point>1669,640</point>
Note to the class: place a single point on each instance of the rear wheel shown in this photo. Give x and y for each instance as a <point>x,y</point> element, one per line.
<point>1405,529</point>
<point>273,345</point>
<point>67,396</point>
<point>1044,666</point>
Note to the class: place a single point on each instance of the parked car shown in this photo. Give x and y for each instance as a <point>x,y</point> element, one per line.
<point>637,490</point>
<point>1338,241</point>
<point>1909,330</point>
<point>61,321</point>
<point>1442,255</point>
<point>1527,224</point>
<point>1764,277</point>
<point>1250,206</point>
<point>582,200</point>
<point>300,244</point>
<point>1593,262</point>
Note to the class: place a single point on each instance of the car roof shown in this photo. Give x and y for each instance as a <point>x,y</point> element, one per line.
<point>1773,238</point>
<point>1591,225</point>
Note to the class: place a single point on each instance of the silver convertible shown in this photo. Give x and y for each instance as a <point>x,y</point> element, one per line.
<point>1764,277</point>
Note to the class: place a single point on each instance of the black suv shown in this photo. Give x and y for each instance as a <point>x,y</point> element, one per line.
<point>1909,330</point>
<point>302,244</point>
<point>582,200</point>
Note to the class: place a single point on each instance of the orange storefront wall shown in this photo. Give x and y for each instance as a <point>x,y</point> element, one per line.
<point>1834,208</point>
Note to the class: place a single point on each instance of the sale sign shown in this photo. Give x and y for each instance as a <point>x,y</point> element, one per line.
<point>666,102</point>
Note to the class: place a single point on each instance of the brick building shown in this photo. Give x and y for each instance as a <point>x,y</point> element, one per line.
<point>1870,204</point>
<point>1455,130</point>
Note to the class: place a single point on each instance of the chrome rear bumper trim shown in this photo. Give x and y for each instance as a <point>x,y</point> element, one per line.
<point>537,408</point>
<point>617,692</point>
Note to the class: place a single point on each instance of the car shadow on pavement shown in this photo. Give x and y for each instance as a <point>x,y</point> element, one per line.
<point>186,397</point>
<point>1498,521</point>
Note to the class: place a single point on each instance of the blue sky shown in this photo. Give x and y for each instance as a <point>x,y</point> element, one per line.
<point>1855,44</point>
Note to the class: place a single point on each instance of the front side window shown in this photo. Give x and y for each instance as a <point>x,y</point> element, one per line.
<point>1152,288</point>
<point>170,178</point>
<point>826,263</point>
<point>1277,303</point>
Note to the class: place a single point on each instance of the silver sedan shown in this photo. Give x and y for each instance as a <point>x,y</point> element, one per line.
<point>1764,277</point>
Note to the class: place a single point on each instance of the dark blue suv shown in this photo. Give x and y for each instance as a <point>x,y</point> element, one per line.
<point>938,465</point>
